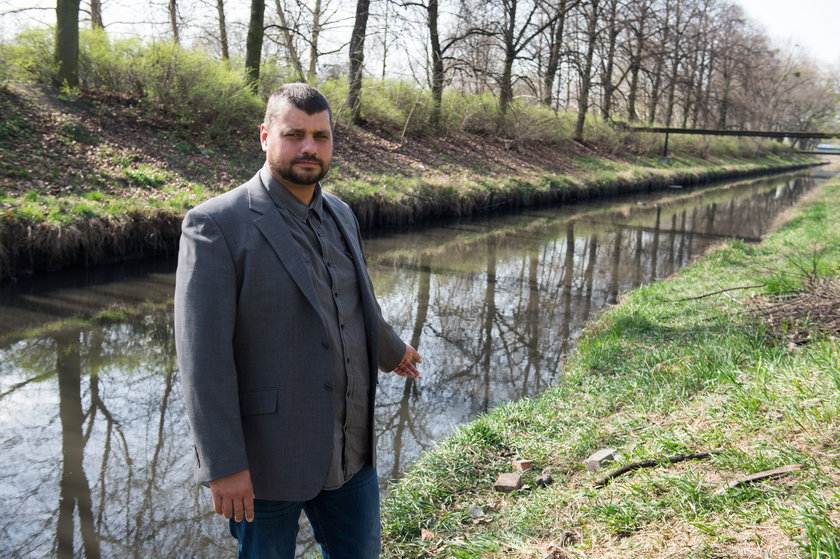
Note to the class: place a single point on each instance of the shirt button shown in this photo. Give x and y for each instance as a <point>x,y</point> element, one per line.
<point>328,387</point>
<point>325,345</point>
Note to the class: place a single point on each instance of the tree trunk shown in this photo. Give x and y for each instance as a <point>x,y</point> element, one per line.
<point>313,41</point>
<point>96,14</point>
<point>655,90</point>
<point>608,87</point>
<point>253,44</point>
<point>288,41</point>
<point>554,48</point>
<point>506,82</point>
<point>672,89</point>
<point>67,43</point>
<point>635,68</point>
<point>586,71</point>
<point>173,20</point>
<point>723,106</point>
<point>357,59</point>
<point>220,7</point>
<point>437,64</point>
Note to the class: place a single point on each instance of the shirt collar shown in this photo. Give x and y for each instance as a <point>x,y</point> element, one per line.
<point>285,199</point>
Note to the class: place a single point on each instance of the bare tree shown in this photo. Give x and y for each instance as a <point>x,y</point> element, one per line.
<point>315,34</point>
<point>612,29</point>
<point>173,21</point>
<point>639,23</point>
<point>555,46</point>
<point>678,20</point>
<point>288,33</point>
<point>223,38</point>
<point>516,33</point>
<point>592,13</point>
<point>96,14</point>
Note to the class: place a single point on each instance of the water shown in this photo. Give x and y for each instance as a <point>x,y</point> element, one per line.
<point>96,457</point>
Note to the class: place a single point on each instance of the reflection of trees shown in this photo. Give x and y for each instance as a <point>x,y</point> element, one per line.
<point>395,426</point>
<point>654,247</point>
<point>75,490</point>
<point>488,310</point>
<point>505,308</point>
<point>121,419</point>
<point>615,270</point>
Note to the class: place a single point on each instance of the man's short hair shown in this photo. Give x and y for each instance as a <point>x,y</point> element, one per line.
<point>301,96</point>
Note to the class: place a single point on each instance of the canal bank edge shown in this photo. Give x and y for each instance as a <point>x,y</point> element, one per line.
<point>683,367</point>
<point>28,247</point>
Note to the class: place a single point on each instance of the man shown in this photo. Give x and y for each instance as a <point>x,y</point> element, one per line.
<point>279,336</point>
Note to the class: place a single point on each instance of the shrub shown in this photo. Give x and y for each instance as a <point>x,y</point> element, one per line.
<point>195,89</point>
<point>188,86</point>
<point>30,57</point>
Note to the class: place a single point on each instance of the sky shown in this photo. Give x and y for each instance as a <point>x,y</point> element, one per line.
<point>814,25</point>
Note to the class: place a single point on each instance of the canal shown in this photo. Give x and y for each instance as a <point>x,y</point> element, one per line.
<point>96,456</point>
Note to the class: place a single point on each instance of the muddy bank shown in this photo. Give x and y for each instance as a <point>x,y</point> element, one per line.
<point>27,248</point>
<point>374,213</point>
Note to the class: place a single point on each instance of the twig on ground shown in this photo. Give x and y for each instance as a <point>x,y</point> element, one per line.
<point>719,292</point>
<point>651,463</point>
<point>768,474</point>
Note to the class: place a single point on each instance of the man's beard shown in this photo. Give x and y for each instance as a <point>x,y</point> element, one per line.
<point>289,173</point>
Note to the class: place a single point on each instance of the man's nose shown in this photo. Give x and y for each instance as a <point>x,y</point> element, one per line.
<point>309,145</point>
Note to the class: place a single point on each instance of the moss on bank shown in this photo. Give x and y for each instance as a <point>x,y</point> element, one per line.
<point>672,370</point>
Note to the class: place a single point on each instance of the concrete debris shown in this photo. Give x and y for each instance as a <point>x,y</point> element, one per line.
<point>599,459</point>
<point>523,465</point>
<point>508,482</point>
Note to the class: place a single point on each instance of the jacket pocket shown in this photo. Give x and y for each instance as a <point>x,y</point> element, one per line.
<point>257,402</point>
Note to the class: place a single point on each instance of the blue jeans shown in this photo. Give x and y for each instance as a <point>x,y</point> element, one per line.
<point>345,522</point>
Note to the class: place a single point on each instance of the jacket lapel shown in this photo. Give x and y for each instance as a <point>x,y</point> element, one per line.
<point>279,237</point>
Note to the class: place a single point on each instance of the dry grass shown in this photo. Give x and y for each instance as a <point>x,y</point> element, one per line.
<point>797,318</point>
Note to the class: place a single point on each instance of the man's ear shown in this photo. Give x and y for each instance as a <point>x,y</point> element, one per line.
<point>264,136</point>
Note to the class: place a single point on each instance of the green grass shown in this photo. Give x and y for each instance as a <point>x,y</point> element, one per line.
<point>658,376</point>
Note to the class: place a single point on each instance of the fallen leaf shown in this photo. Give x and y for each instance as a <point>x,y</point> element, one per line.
<point>426,535</point>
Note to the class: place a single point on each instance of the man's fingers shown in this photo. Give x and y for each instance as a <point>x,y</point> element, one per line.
<point>406,369</point>
<point>238,510</point>
<point>249,508</point>
<point>233,495</point>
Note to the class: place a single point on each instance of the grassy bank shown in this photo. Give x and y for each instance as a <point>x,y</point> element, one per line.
<point>682,367</point>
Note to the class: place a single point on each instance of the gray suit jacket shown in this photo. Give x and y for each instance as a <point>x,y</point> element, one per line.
<point>252,347</point>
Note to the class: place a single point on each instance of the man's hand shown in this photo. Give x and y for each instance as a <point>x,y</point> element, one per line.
<point>406,367</point>
<point>233,495</point>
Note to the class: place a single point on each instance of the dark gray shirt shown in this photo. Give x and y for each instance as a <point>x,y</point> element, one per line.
<point>339,300</point>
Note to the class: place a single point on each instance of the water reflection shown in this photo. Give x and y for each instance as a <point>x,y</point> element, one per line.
<point>493,305</point>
